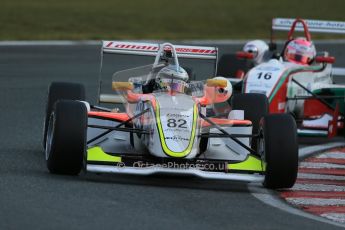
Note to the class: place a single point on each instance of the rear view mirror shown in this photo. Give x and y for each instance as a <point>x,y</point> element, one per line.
<point>323,59</point>
<point>244,55</point>
<point>216,83</point>
<point>122,86</point>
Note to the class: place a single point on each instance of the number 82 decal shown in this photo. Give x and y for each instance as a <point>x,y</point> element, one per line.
<point>180,123</point>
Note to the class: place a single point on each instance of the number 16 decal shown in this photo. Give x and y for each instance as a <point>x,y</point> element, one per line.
<point>266,76</point>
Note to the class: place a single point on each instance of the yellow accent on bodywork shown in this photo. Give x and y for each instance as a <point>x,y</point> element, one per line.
<point>217,83</point>
<point>97,154</point>
<point>250,164</point>
<point>162,138</point>
<point>122,86</point>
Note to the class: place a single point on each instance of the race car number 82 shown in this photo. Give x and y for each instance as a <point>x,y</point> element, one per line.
<point>180,123</point>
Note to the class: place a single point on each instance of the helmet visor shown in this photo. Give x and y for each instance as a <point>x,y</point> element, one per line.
<point>173,85</point>
<point>297,58</point>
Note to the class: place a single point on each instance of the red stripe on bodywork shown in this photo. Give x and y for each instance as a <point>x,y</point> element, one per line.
<point>109,44</point>
<point>110,115</point>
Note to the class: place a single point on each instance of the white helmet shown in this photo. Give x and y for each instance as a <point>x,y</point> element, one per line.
<point>258,48</point>
<point>172,77</point>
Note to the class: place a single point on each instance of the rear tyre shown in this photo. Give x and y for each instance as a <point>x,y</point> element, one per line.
<point>255,106</point>
<point>229,64</point>
<point>280,150</point>
<point>66,138</point>
<point>59,91</point>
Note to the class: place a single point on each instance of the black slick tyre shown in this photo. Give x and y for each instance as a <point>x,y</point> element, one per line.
<point>66,137</point>
<point>59,91</point>
<point>280,150</point>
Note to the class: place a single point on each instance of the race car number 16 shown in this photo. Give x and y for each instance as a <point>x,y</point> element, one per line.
<point>265,75</point>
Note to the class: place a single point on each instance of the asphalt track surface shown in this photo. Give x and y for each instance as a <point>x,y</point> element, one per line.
<point>31,198</point>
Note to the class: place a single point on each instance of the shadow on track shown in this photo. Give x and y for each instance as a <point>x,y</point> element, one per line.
<point>186,182</point>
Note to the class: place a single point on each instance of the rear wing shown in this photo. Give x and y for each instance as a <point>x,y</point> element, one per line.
<point>151,49</point>
<point>304,25</point>
<point>319,26</point>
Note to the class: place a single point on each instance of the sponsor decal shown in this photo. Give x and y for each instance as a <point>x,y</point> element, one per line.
<point>312,24</point>
<point>268,68</point>
<point>254,84</point>
<point>281,105</point>
<point>258,91</point>
<point>143,47</point>
<point>322,78</point>
<point>135,47</point>
<point>177,115</point>
<point>177,138</point>
<point>174,130</point>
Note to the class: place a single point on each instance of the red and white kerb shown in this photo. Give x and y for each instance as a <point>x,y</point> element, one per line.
<point>320,186</point>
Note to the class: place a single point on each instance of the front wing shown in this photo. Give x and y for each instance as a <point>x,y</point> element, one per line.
<point>249,170</point>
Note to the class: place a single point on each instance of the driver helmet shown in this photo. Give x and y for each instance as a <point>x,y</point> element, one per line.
<point>258,48</point>
<point>300,51</point>
<point>172,78</point>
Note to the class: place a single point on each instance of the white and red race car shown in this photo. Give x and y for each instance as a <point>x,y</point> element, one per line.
<point>307,91</point>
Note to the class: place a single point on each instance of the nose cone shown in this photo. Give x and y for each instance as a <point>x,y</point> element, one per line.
<point>177,124</point>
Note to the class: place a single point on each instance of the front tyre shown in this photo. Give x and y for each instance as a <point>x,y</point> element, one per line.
<point>66,138</point>
<point>280,150</point>
<point>60,91</point>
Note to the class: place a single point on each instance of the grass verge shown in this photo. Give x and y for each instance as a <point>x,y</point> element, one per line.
<point>154,19</point>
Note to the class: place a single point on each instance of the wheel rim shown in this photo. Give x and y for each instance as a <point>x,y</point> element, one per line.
<point>50,135</point>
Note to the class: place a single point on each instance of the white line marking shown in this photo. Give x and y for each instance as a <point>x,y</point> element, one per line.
<point>335,155</point>
<point>320,176</point>
<point>318,187</point>
<point>315,165</point>
<point>316,201</point>
<point>339,217</point>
